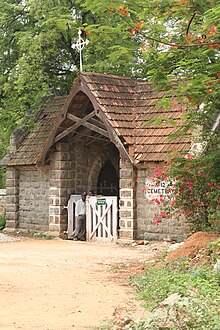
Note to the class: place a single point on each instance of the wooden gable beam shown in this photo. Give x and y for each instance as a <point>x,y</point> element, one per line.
<point>79,135</point>
<point>87,124</point>
<point>79,122</point>
<point>97,123</point>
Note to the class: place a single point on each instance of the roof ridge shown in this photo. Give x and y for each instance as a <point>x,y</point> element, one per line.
<point>111,75</point>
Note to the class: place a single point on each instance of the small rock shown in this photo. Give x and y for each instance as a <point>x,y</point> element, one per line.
<point>216,267</point>
<point>175,246</point>
<point>170,300</point>
<point>140,242</point>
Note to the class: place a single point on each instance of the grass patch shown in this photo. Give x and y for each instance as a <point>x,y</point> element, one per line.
<point>157,284</point>
<point>2,221</point>
<point>32,233</point>
<point>199,304</point>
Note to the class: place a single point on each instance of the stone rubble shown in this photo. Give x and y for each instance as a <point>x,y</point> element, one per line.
<point>5,238</point>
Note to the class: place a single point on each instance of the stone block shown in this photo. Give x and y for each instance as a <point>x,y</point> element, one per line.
<point>61,165</point>
<point>57,219</point>
<point>125,213</point>
<point>54,191</point>
<point>126,193</point>
<point>11,224</point>
<point>126,234</point>
<point>125,162</point>
<point>11,183</point>
<point>126,173</point>
<point>62,146</point>
<point>14,199</point>
<point>126,183</point>
<point>54,228</point>
<point>71,173</point>
<point>122,223</point>
<point>11,207</point>
<point>54,210</point>
<point>12,174</point>
<point>11,216</point>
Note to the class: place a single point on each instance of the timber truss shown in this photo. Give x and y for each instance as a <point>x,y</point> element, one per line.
<point>88,122</point>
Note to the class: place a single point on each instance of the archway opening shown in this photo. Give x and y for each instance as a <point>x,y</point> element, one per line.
<point>108,181</point>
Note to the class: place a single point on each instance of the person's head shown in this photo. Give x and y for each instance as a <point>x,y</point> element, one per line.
<point>83,196</point>
<point>91,193</point>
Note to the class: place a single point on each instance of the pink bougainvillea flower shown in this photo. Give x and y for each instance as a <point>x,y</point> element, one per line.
<point>157,220</point>
<point>163,214</point>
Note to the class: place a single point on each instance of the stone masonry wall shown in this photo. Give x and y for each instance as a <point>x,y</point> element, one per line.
<point>2,201</point>
<point>146,211</point>
<point>61,185</point>
<point>34,199</point>
<point>127,202</point>
<point>74,169</point>
<point>12,198</point>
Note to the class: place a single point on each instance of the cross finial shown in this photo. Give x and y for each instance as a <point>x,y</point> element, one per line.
<point>80,45</point>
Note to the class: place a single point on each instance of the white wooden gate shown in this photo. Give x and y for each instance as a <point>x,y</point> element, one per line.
<point>101,218</point>
<point>71,213</point>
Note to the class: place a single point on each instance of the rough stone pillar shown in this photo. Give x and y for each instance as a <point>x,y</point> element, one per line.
<point>61,183</point>
<point>12,198</point>
<point>127,205</point>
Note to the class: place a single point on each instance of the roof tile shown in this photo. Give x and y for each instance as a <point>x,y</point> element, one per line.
<point>129,105</point>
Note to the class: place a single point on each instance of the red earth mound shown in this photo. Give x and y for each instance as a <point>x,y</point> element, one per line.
<point>195,243</point>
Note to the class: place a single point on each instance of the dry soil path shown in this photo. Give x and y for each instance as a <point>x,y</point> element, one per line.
<point>61,285</point>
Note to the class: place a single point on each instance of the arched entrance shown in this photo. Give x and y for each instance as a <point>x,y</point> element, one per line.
<point>108,182</point>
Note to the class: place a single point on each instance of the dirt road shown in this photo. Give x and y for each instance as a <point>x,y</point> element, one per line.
<point>61,285</point>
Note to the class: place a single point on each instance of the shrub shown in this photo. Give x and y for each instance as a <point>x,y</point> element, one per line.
<point>194,182</point>
<point>199,303</point>
<point>2,221</point>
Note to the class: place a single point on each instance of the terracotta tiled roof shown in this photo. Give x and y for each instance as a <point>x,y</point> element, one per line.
<point>128,105</point>
<point>31,148</point>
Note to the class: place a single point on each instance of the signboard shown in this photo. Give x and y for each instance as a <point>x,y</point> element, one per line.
<point>101,201</point>
<point>156,189</point>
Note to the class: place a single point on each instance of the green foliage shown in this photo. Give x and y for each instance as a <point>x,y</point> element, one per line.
<point>32,233</point>
<point>176,279</point>
<point>193,189</point>
<point>198,288</point>
<point>214,248</point>
<point>2,221</point>
<point>2,177</point>
<point>164,40</point>
<point>155,40</point>
<point>197,193</point>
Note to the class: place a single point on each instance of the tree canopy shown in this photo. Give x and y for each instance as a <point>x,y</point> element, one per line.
<point>157,40</point>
